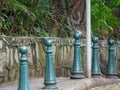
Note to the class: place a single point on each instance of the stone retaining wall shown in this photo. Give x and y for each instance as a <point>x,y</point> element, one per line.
<point>62,52</point>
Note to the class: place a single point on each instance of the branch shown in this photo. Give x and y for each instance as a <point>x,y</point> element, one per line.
<point>75,23</point>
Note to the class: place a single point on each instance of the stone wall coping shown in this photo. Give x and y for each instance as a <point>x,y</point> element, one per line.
<point>57,41</point>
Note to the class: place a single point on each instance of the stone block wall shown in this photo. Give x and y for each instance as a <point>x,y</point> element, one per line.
<point>62,52</point>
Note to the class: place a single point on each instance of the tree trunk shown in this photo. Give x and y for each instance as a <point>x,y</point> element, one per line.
<point>79,6</point>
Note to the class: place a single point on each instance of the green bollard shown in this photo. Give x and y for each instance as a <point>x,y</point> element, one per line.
<point>50,77</point>
<point>23,79</point>
<point>111,69</point>
<point>95,62</point>
<point>77,71</point>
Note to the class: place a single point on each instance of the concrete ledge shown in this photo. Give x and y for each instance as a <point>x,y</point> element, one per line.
<point>87,84</point>
<point>65,84</point>
<point>107,87</point>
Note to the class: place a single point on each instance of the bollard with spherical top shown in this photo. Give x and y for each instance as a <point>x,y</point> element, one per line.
<point>111,69</point>
<point>77,71</point>
<point>95,62</point>
<point>50,77</point>
<point>23,77</point>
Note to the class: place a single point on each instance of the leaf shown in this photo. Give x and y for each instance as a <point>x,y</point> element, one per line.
<point>19,5</point>
<point>37,29</point>
<point>1,25</point>
<point>115,2</point>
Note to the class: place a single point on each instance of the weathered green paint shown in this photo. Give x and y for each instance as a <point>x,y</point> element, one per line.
<point>95,62</point>
<point>111,69</point>
<point>77,70</point>
<point>23,79</point>
<point>50,77</point>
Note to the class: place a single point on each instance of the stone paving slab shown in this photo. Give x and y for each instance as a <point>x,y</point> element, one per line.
<point>108,87</point>
<point>65,84</point>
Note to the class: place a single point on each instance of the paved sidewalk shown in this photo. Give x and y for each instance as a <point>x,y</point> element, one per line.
<point>67,84</point>
<point>108,87</point>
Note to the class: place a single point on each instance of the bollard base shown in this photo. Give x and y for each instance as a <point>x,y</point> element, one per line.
<point>52,86</point>
<point>76,76</point>
<point>112,76</point>
<point>96,75</point>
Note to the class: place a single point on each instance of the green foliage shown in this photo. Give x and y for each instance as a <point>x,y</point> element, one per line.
<point>31,18</point>
<point>104,22</point>
<point>50,18</point>
<point>115,2</point>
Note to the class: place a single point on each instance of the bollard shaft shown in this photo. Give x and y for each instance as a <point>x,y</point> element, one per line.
<point>50,77</point>
<point>111,70</point>
<point>23,78</point>
<point>95,61</point>
<point>77,71</point>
